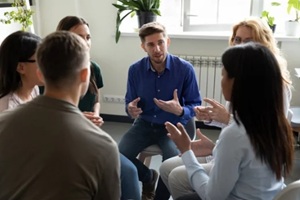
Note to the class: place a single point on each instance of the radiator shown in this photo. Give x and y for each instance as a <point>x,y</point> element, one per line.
<point>208,74</point>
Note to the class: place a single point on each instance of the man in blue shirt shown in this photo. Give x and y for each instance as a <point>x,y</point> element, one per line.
<point>161,87</point>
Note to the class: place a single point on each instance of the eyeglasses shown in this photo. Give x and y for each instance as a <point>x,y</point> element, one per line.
<point>29,61</point>
<point>238,40</point>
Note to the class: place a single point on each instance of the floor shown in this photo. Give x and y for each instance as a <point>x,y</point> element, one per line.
<point>116,130</point>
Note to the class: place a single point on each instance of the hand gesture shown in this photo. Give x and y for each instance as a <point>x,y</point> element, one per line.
<point>203,146</point>
<point>96,119</point>
<point>217,111</point>
<point>202,113</point>
<point>179,136</point>
<point>171,106</point>
<point>132,108</point>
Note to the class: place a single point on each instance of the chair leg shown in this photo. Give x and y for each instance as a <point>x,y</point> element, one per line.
<point>147,161</point>
<point>145,158</point>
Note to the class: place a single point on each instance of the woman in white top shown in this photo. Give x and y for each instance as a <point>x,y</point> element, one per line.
<point>172,170</point>
<point>18,79</point>
<point>255,151</point>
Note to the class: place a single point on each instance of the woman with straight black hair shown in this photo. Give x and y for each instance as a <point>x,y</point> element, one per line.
<point>18,78</point>
<point>255,151</point>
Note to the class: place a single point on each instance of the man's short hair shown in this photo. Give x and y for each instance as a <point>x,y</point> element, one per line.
<point>151,28</point>
<point>60,56</point>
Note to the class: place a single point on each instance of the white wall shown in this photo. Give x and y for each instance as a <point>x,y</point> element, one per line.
<point>6,29</point>
<point>115,59</point>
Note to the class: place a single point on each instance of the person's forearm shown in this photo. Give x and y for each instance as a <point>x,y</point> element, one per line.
<point>97,109</point>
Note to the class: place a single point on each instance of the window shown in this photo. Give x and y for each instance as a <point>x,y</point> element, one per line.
<point>208,15</point>
<point>217,15</point>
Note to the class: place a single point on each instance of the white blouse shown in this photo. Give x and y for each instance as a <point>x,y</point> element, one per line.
<point>12,100</point>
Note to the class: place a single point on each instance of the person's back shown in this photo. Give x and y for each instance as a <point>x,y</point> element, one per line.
<point>48,149</point>
<point>45,155</point>
<point>248,177</point>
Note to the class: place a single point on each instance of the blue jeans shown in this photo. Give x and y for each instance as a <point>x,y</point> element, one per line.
<point>141,135</point>
<point>130,188</point>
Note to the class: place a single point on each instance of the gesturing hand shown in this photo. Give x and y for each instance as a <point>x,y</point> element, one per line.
<point>203,146</point>
<point>97,120</point>
<point>179,136</point>
<point>171,106</point>
<point>202,113</point>
<point>217,111</point>
<point>132,108</point>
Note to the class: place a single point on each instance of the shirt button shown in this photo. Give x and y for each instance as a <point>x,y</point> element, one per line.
<point>154,116</point>
<point>158,90</point>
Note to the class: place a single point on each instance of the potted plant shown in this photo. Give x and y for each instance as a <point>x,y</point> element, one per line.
<point>269,18</point>
<point>292,26</point>
<point>22,15</point>
<point>147,10</point>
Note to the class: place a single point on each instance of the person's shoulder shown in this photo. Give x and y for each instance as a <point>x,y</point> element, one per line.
<point>12,114</point>
<point>4,102</point>
<point>139,64</point>
<point>234,132</point>
<point>98,137</point>
<point>179,61</point>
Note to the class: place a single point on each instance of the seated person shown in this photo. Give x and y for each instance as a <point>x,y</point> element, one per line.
<point>160,87</point>
<point>247,162</point>
<point>48,149</point>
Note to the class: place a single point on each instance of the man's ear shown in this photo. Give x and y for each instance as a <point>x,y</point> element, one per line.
<point>143,46</point>
<point>168,42</point>
<point>40,76</point>
<point>84,74</point>
<point>20,68</point>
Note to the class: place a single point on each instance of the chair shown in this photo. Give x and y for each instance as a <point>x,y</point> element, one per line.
<point>295,123</point>
<point>147,153</point>
<point>290,192</point>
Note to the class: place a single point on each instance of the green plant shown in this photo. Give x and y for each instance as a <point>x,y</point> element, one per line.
<point>130,7</point>
<point>21,15</point>
<point>266,15</point>
<point>294,5</point>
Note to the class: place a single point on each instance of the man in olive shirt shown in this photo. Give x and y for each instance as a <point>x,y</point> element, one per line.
<point>48,149</point>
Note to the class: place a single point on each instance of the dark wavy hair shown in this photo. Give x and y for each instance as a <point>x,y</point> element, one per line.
<point>17,47</point>
<point>65,24</point>
<point>257,102</point>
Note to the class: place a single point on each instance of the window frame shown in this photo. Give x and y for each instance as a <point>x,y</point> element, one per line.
<point>255,10</point>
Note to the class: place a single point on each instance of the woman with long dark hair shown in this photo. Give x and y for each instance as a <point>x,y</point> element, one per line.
<point>18,78</point>
<point>255,151</point>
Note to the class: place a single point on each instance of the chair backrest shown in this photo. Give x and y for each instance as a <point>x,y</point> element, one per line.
<point>295,119</point>
<point>290,192</point>
<point>190,128</point>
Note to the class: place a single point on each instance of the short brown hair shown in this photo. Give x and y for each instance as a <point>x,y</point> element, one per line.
<point>151,28</point>
<point>60,56</point>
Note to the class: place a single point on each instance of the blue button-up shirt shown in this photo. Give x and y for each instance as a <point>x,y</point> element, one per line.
<point>147,84</point>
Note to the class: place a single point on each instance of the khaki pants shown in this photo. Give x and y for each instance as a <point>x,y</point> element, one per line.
<point>174,175</point>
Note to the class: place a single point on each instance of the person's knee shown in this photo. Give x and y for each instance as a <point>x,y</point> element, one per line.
<point>178,176</point>
<point>168,165</point>
<point>129,170</point>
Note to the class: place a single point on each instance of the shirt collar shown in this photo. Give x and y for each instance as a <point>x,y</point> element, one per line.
<point>168,65</point>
